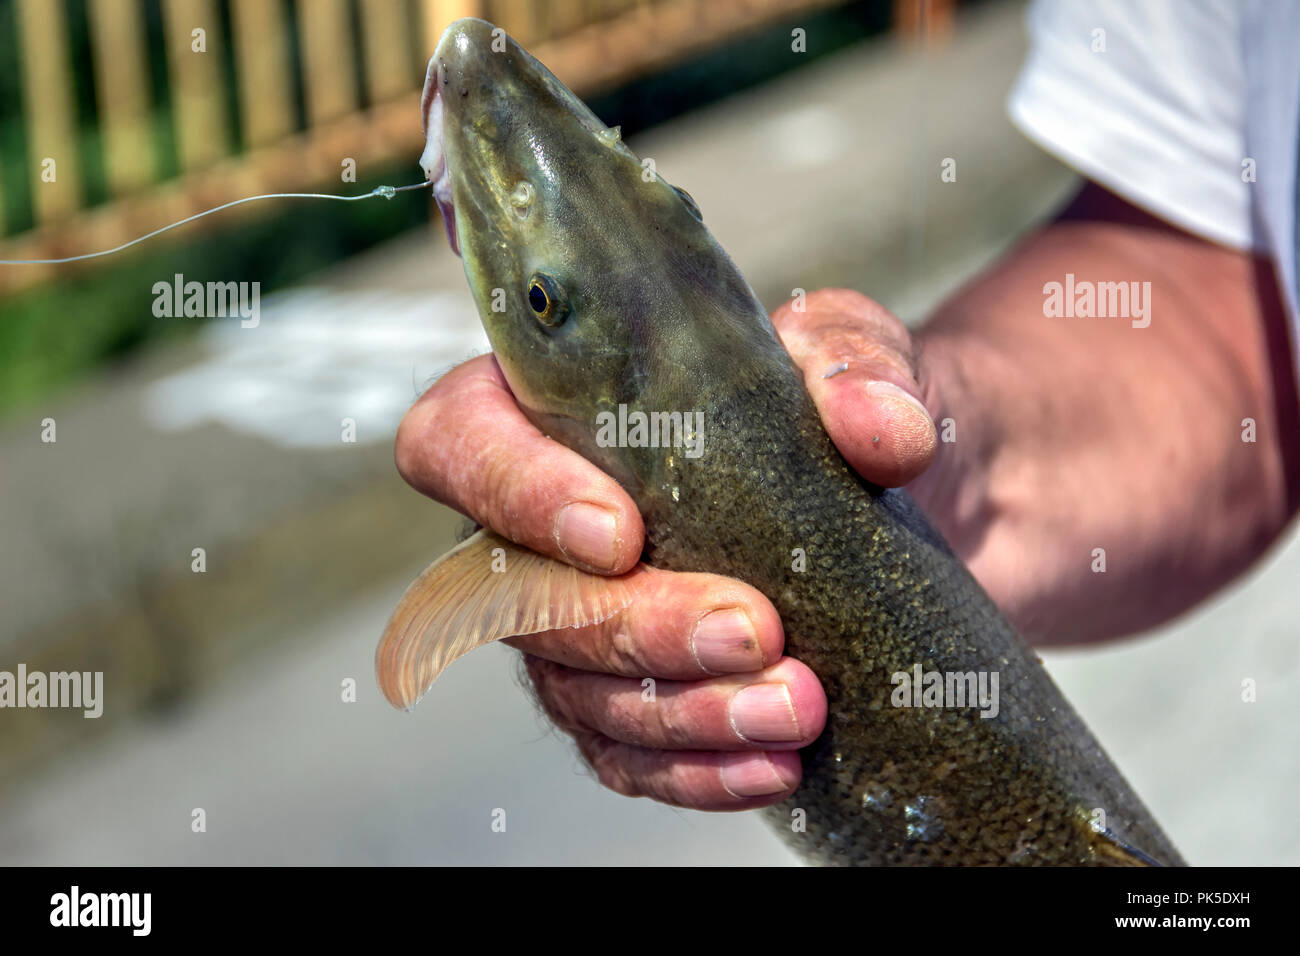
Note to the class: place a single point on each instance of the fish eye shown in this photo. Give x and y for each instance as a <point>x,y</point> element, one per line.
<point>546,301</point>
<point>537,298</point>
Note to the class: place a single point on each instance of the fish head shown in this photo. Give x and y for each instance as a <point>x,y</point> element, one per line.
<point>596,280</point>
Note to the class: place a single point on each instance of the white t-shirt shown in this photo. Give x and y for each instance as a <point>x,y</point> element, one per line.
<point>1177,105</point>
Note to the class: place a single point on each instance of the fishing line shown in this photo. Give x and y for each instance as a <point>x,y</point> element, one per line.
<point>387,192</point>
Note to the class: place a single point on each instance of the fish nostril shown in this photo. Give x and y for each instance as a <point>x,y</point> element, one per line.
<point>521,198</point>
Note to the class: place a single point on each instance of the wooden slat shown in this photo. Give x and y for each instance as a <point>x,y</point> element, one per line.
<point>266,109</point>
<point>646,43</point>
<point>928,22</point>
<point>609,9</point>
<point>48,109</point>
<point>328,68</point>
<point>294,163</point>
<point>299,161</point>
<point>561,17</point>
<point>518,18</point>
<point>389,71</point>
<point>436,15</point>
<point>194,81</point>
<point>121,92</point>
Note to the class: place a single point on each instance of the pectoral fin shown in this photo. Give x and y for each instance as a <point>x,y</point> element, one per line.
<point>483,590</point>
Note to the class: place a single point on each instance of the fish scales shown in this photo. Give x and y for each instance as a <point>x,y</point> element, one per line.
<point>881,593</point>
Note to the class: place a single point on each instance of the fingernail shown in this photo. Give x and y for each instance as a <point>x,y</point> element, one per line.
<point>764,713</point>
<point>892,392</point>
<point>725,642</point>
<point>589,534</point>
<point>750,775</point>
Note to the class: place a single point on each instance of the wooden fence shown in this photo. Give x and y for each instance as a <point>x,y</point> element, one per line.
<point>312,82</point>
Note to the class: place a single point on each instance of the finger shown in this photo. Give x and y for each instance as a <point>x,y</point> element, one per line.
<point>859,367</point>
<point>693,779</point>
<point>467,444</point>
<point>683,626</point>
<point>782,707</point>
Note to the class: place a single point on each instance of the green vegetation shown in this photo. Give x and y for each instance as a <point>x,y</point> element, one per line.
<point>52,334</point>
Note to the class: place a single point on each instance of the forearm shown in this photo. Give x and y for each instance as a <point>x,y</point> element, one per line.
<point>1076,434</point>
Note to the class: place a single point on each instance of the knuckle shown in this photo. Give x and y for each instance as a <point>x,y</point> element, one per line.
<point>406,447</point>
<point>552,694</point>
<point>675,732</point>
<point>871,347</point>
<point>625,714</point>
<point>666,782</point>
<point>622,650</point>
<point>493,492</point>
<point>603,756</point>
<point>424,446</point>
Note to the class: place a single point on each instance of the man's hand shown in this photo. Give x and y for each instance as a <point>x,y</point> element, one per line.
<point>1072,435</point>
<point>730,712</point>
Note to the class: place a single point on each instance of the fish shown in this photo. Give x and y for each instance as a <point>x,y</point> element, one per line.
<point>606,299</point>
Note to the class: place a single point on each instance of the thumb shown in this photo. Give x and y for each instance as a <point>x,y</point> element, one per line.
<point>858,365</point>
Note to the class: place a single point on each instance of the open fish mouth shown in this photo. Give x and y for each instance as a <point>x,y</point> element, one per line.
<point>434,158</point>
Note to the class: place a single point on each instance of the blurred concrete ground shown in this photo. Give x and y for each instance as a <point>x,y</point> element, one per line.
<point>224,689</point>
